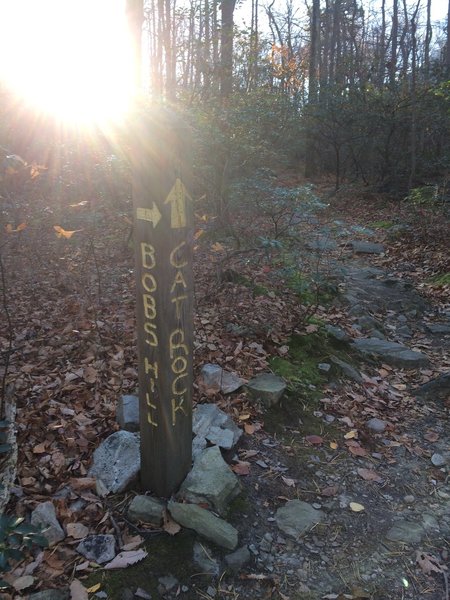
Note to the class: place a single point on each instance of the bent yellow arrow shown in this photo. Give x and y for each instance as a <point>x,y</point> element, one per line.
<point>149,214</point>
<point>177,200</point>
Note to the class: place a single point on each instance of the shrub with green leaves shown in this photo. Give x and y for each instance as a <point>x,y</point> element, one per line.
<point>16,537</point>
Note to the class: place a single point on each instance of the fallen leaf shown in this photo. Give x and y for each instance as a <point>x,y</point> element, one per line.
<point>314,439</point>
<point>78,591</point>
<point>358,451</point>
<point>244,417</point>
<point>82,483</point>
<point>289,482</point>
<point>347,421</point>
<point>217,247</point>
<point>369,475</point>
<point>170,526</point>
<point>429,563</point>
<point>94,588</point>
<point>311,328</point>
<point>22,583</point>
<point>431,436</point>
<point>62,233</point>
<point>330,490</point>
<point>355,507</point>
<point>333,445</point>
<point>125,559</point>
<point>241,468</point>
<point>249,429</point>
<point>77,530</point>
<point>351,434</point>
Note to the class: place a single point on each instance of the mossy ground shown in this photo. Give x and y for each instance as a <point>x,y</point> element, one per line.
<point>166,555</point>
<point>443,279</point>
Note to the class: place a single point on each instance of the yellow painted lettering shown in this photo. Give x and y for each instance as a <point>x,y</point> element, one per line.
<point>148,256</point>
<point>176,392</point>
<point>149,306</point>
<point>149,412</point>
<point>179,280</point>
<point>179,364</point>
<point>152,339</point>
<point>178,302</point>
<point>175,260</point>
<point>177,344</point>
<point>148,366</point>
<point>148,282</point>
<point>176,406</point>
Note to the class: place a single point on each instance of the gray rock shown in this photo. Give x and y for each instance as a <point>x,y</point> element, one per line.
<point>211,480</point>
<point>98,548</point>
<point>407,532</point>
<point>44,516</point>
<point>366,247</point>
<point>324,367</point>
<point>116,463</point>
<point>439,328</point>
<point>213,424</point>
<point>267,387</point>
<point>199,443</point>
<point>62,594</point>
<point>404,331</point>
<point>376,425</point>
<point>391,352</point>
<point>167,583</point>
<point>347,369</point>
<point>238,559</point>
<point>127,413</point>
<point>322,244</point>
<point>435,389</point>
<point>296,517</point>
<point>217,379</point>
<point>146,509</point>
<point>202,521</point>
<point>337,333</point>
<point>203,558</point>
<point>368,323</point>
<point>438,460</point>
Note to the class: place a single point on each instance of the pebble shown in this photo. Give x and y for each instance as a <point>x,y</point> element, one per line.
<point>409,499</point>
<point>438,460</point>
<point>376,425</point>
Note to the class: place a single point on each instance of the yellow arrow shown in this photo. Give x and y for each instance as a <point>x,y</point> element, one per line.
<point>149,214</point>
<point>177,200</point>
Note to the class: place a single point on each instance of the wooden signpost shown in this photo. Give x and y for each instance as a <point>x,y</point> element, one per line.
<point>164,287</point>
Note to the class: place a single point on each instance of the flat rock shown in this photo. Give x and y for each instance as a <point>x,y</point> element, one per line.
<point>337,333</point>
<point>347,369</point>
<point>98,548</point>
<point>206,524</point>
<point>44,516</point>
<point>366,247</point>
<point>62,594</point>
<point>407,532</point>
<point>214,425</point>
<point>435,389</point>
<point>203,558</point>
<point>296,517</point>
<point>439,328</point>
<point>210,481</point>
<point>127,413</point>
<point>217,379</point>
<point>199,443</point>
<point>267,387</point>
<point>322,244</point>
<point>376,425</point>
<point>392,353</point>
<point>146,509</point>
<point>116,463</point>
<point>238,559</point>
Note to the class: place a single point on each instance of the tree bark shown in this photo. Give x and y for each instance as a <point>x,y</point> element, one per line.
<point>226,48</point>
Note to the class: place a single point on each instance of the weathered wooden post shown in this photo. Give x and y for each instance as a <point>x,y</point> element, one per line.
<point>164,287</point>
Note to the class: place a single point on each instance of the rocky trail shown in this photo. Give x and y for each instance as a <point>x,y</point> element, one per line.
<point>322,449</point>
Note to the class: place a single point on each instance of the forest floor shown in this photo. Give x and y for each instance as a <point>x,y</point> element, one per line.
<point>385,494</point>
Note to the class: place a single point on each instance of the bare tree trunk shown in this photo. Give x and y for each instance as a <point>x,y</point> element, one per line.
<point>135,16</point>
<point>226,48</point>
<point>394,36</point>
<point>447,54</point>
<point>428,36</point>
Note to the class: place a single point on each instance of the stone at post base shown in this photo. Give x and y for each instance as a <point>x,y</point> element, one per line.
<point>202,521</point>
<point>213,424</point>
<point>44,515</point>
<point>127,412</point>
<point>211,480</point>
<point>267,387</point>
<point>116,462</point>
<point>146,509</point>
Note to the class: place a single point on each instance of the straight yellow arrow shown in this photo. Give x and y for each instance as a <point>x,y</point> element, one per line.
<point>149,214</point>
<point>177,200</point>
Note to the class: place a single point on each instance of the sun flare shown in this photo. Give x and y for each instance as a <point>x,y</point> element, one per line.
<point>67,58</point>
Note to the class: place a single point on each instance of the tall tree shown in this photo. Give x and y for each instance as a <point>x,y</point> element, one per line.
<point>226,48</point>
